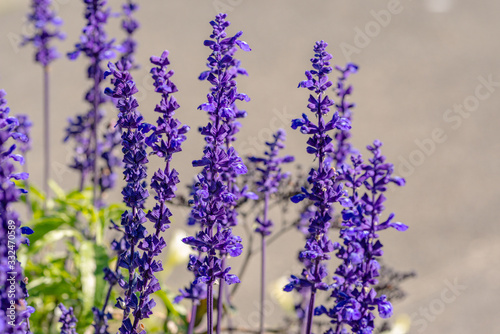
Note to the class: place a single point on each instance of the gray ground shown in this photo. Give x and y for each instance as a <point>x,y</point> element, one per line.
<point>420,66</point>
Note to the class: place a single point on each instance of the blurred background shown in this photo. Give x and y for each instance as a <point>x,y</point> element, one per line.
<point>428,87</point>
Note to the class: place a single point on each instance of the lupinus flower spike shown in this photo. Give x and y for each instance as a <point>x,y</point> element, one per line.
<point>342,147</point>
<point>96,46</point>
<point>324,191</point>
<point>213,194</point>
<point>268,185</point>
<point>134,132</point>
<point>14,312</point>
<point>355,297</point>
<point>68,320</point>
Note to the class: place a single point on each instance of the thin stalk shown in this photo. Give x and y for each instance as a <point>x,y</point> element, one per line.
<point>210,307</point>
<point>220,301</point>
<point>193,318</point>
<point>94,130</point>
<point>46,134</point>
<point>263,267</point>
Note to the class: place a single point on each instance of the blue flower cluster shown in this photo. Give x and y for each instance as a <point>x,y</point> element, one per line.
<point>83,129</point>
<point>343,148</point>
<point>355,297</point>
<point>14,312</point>
<point>215,194</point>
<point>135,193</point>
<point>325,191</point>
<point>68,320</point>
<point>129,25</point>
<point>42,17</point>
<point>271,176</point>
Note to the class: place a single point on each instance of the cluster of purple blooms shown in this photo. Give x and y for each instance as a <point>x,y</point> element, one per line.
<point>68,320</point>
<point>83,129</point>
<point>215,194</point>
<point>355,297</point>
<point>129,25</point>
<point>325,191</point>
<point>46,24</point>
<point>14,311</point>
<point>271,177</point>
<point>164,139</point>
<point>352,288</point>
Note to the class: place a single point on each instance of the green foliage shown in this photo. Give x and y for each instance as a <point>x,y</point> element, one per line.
<point>66,258</point>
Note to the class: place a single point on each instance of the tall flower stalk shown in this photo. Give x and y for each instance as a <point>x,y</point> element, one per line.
<point>353,290</point>
<point>343,148</point>
<point>129,25</point>
<point>324,192</point>
<point>14,312</point>
<point>46,27</point>
<point>214,197</point>
<point>271,177</point>
<point>135,193</point>
<point>84,129</point>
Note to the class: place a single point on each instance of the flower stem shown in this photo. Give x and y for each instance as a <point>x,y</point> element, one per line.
<point>220,301</point>
<point>46,134</point>
<point>94,130</point>
<point>193,318</point>
<point>263,267</point>
<point>210,307</point>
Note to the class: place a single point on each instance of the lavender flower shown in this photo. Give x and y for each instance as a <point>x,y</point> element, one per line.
<point>342,147</point>
<point>214,194</point>
<point>68,320</point>
<point>355,297</point>
<point>272,176</point>
<point>43,17</point>
<point>324,191</point>
<point>130,25</point>
<point>135,193</point>
<point>14,312</point>
<point>165,140</point>
<point>24,128</point>
<point>95,45</point>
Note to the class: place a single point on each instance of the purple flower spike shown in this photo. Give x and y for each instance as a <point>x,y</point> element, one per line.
<point>83,129</point>
<point>13,291</point>
<point>324,189</point>
<point>354,279</point>
<point>43,17</point>
<point>24,128</point>
<point>165,140</point>
<point>343,147</point>
<point>216,194</point>
<point>272,176</point>
<point>129,25</point>
<point>134,134</point>
<point>68,320</point>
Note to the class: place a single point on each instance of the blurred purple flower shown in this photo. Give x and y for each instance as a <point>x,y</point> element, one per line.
<point>43,17</point>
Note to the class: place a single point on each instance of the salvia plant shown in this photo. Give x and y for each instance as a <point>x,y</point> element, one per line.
<point>77,278</point>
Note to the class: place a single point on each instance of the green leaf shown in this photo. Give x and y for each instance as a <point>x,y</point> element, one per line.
<point>53,236</point>
<point>56,189</point>
<point>44,225</point>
